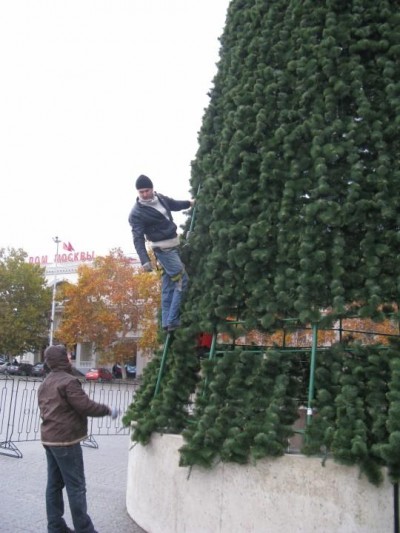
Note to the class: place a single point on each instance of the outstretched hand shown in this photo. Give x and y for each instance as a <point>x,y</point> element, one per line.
<point>115,412</point>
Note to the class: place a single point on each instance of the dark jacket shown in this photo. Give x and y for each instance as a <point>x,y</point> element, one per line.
<point>147,222</point>
<point>64,407</point>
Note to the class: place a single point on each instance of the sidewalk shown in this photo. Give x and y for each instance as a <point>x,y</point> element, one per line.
<point>23,484</point>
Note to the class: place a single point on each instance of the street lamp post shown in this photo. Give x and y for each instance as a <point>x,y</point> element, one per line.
<point>53,301</point>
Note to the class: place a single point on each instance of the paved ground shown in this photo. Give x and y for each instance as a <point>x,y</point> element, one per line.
<point>23,482</point>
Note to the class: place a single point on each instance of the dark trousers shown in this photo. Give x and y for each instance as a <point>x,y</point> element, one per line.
<point>65,469</point>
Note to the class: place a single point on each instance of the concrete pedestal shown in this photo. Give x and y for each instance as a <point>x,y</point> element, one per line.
<point>291,494</point>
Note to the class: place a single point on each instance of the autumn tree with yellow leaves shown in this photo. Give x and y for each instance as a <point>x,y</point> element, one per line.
<point>113,305</point>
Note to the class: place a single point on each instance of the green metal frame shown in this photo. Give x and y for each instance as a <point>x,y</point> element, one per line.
<point>313,360</point>
<point>167,345</point>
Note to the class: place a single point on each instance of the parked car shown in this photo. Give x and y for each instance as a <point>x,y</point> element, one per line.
<point>130,370</point>
<point>25,369</point>
<point>98,374</point>
<point>19,369</point>
<point>13,369</point>
<point>38,370</point>
<point>117,371</point>
<point>4,367</point>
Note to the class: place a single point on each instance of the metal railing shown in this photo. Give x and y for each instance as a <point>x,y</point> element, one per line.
<point>20,416</point>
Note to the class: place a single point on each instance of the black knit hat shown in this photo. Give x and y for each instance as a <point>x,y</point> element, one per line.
<point>143,182</point>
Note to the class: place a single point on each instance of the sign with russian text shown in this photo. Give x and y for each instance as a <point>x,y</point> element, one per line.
<point>71,257</point>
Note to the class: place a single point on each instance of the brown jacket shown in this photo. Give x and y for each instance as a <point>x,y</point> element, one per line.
<point>64,407</point>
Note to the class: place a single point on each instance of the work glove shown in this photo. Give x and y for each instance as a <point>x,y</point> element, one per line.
<point>115,412</point>
<point>178,276</point>
<point>147,267</point>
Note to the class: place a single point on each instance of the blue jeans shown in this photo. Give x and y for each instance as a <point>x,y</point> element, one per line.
<point>65,469</point>
<point>171,289</point>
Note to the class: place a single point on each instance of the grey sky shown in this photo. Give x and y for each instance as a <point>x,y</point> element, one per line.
<point>92,94</point>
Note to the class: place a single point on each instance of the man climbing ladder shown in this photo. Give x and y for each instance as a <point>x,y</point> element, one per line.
<point>151,219</point>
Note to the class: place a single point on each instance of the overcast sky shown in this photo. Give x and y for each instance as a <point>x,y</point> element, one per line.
<point>92,94</point>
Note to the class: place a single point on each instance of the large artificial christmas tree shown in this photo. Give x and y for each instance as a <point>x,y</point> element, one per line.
<point>298,163</point>
<point>297,217</point>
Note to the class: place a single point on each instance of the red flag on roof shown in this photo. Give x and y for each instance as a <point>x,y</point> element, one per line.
<point>68,246</point>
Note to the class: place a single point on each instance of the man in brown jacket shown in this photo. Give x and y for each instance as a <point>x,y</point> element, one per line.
<point>64,408</point>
